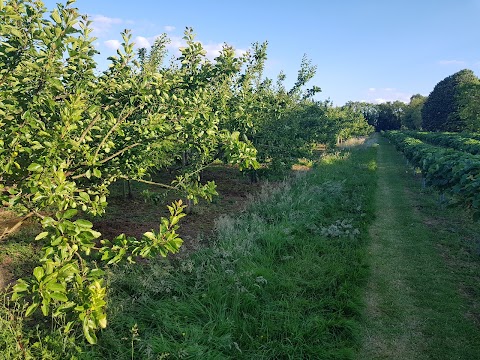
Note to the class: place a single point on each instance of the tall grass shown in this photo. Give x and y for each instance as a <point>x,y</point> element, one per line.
<point>280,281</point>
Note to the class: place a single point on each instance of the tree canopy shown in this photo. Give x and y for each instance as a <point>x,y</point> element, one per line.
<point>412,116</point>
<point>444,110</point>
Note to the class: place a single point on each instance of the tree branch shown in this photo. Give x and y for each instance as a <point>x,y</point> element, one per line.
<point>114,127</point>
<point>7,231</point>
<point>119,153</point>
<point>151,183</point>
<point>89,127</point>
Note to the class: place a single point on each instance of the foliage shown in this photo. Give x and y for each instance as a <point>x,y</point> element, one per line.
<point>457,141</point>
<point>271,117</point>
<point>368,110</point>
<point>347,122</point>
<point>281,280</point>
<point>412,115</point>
<point>443,168</point>
<point>446,108</point>
<point>18,340</point>
<point>384,116</point>
<point>469,100</point>
<point>282,124</point>
<point>390,115</point>
<point>67,133</point>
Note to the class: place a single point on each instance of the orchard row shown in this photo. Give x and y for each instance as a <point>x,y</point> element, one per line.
<point>68,131</point>
<point>446,169</point>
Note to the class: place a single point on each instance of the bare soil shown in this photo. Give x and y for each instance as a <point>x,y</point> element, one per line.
<point>135,216</point>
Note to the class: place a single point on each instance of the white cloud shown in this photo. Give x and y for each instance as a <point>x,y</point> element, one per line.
<point>102,24</point>
<point>112,44</point>
<point>169,28</point>
<point>141,42</point>
<point>105,20</point>
<point>174,45</point>
<point>240,52</point>
<point>213,50</point>
<point>383,95</point>
<point>392,97</point>
<point>452,62</point>
<point>176,42</point>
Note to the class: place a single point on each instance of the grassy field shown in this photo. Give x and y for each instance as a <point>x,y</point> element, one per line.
<point>280,280</point>
<point>351,259</point>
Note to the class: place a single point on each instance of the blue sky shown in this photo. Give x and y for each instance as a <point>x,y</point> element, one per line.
<point>365,50</point>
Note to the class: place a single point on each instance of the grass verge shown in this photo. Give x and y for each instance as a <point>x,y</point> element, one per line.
<point>423,294</point>
<point>281,281</point>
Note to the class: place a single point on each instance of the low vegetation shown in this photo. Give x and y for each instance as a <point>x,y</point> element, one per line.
<point>282,279</point>
<point>422,297</point>
<point>448,170</point>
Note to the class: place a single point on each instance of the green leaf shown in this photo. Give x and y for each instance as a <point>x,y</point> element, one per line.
<point>84,196</point>
<point>16,296</point>
<point>31,309</point>
<point>49,264</point>
<point>56,287</point>
<point>48,221</point>
<point>16,32</point>
<point>69,213</point>
<point>41,235</point>
<point>56,241</point>
<point>20,286</point>
<point>34,167</point>
<point>38,272</point>
<point>95,234</point>
<point>174,220</point>
<point>102,321</point>
<point>59,296</point>
<point>89,330</point>
<point>96,273</point>
<point>45,308</point>
<point>150,235</point>
<point>63,308</point>
<point>68,270</point>
<point>56,17</point>
<point>84,224</point>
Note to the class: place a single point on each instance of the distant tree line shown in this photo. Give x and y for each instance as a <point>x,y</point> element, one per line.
<point>453,105</point>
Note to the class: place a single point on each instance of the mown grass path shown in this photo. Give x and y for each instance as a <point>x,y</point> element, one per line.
<point>415,308</point>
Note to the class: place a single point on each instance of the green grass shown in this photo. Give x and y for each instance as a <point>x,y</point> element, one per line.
<point>18,256</point>
<point>422,296</point>
<point>331,264</point>
<point>281,281</point>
